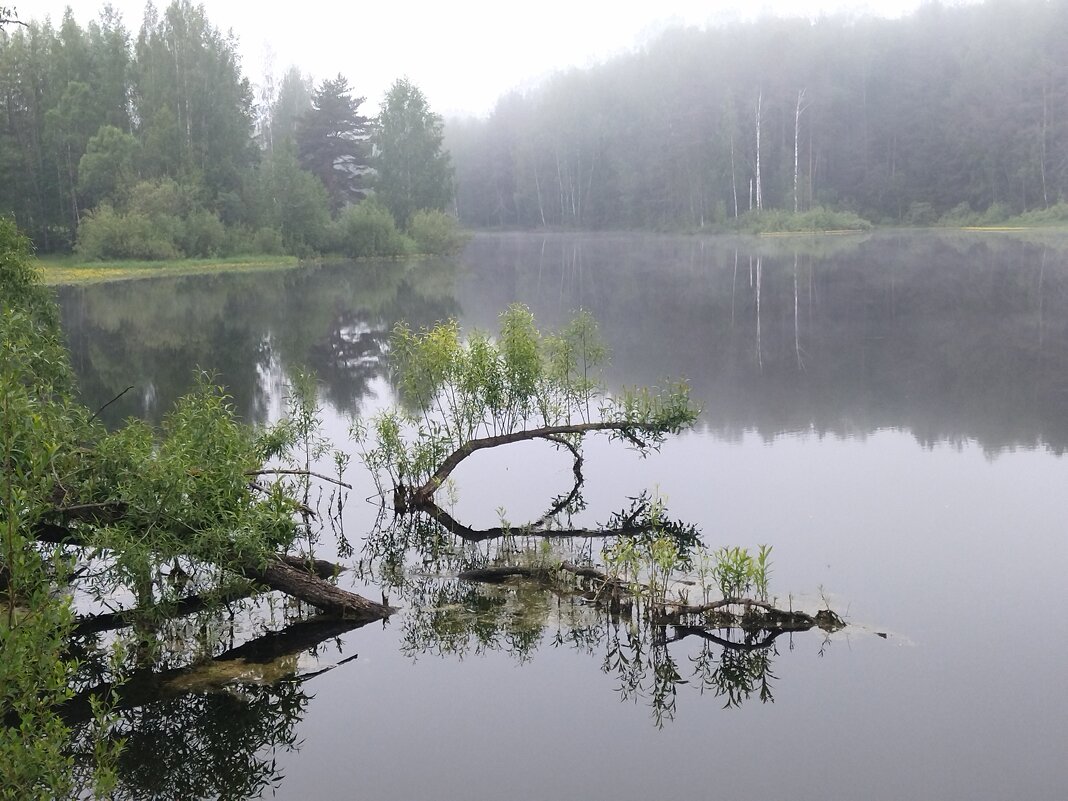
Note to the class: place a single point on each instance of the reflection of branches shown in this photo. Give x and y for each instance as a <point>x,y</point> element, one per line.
<point>640,519</point>
<point>209,731</point>
<point>452,617</point>
<point>736,674</point>
<point>234,665</point>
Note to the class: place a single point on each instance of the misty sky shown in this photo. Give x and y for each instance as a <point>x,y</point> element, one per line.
<point>464,54</point>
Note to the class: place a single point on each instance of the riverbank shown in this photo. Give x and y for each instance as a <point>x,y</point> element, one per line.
<point>67,270</point>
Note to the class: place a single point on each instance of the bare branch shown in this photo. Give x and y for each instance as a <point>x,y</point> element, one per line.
<point>106,405</point>
<point>269,471</point>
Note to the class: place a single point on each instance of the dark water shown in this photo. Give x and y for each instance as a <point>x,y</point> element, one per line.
<point>888,412</point>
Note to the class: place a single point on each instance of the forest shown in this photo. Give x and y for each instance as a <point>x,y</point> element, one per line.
<point>956,114</point>
<point>155,145</point>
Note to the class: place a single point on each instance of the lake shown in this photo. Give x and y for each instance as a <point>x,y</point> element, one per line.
<point>889,411</point>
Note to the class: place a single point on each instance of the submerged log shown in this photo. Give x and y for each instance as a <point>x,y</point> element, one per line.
<point>292,575</point>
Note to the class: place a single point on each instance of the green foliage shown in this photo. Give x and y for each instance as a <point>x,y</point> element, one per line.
<point>817,218</point>
<point>202,235</point>
<point>333,143</point>
<point>40,436</point>
<point>1057,214</point>
<point>367,229</point>
<point>455,390</point>
<point>106,170</point>
<point>163,220</point>
<point>267,241</point>
<point>283,197</point>
<point>435,232</point>
<point>108,234</point>
<point>737,572</point>
<point>179,502</point>
<point>413,169</point>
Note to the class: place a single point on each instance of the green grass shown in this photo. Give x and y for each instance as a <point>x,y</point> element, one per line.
<point>60,270</point>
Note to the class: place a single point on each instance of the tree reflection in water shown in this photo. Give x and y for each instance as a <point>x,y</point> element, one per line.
<point>211,730</point>
<point>453,612</point>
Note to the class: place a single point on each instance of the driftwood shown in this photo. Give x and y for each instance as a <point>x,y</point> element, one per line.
<point>305,586</point>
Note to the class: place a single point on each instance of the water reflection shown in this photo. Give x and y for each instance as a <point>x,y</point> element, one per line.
<point>333,319</point>
<point>213,729</point>
<point>954,337</point>
<point>516,593</point>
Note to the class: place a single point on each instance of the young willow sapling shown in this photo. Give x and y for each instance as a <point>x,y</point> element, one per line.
<point>461,395</point>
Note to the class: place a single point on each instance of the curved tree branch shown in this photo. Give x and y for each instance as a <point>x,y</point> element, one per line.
<point>419,497</point>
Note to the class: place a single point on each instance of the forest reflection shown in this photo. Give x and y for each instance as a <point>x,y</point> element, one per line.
<point>841,335</point>
<point>951,335</point>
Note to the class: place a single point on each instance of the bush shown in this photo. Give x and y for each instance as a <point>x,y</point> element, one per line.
<point>106,234</point>
<point>435,232</point>
<point>267,242</point>
<point>1057,214</point>
<point>960,216</point>
<point>202,235</point>
<point>368,229</point>
<point>920,213</point>
<point>818,218</point>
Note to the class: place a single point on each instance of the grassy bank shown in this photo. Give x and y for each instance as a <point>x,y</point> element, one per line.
<point>59,270</point>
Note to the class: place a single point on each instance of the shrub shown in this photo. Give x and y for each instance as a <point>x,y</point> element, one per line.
<point>202,235</point>
<point>267,242</point>
<point>368,229</point>
<point>106,234</point>
<point>960,215</point>
<point>818,218</point>
<point>920,213</point>
<point>435,232</point>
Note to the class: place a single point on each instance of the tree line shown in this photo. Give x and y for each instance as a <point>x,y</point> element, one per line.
<point>956,113</point>
<point>154,146</point>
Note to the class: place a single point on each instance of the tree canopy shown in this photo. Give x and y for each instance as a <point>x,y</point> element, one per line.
<point>332,138</point>
<point>413,170</point>
<point>902,121</point>
<point>96,119</point>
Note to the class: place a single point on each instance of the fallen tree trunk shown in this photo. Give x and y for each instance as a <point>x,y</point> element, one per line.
<point>292,575</point>
<point>299,583</point>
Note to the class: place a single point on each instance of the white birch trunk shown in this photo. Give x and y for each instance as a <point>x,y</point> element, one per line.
<point>797,139</point>
<point>760,103</point>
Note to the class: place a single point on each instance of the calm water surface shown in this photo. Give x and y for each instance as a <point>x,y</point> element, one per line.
<point>889,412</point>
